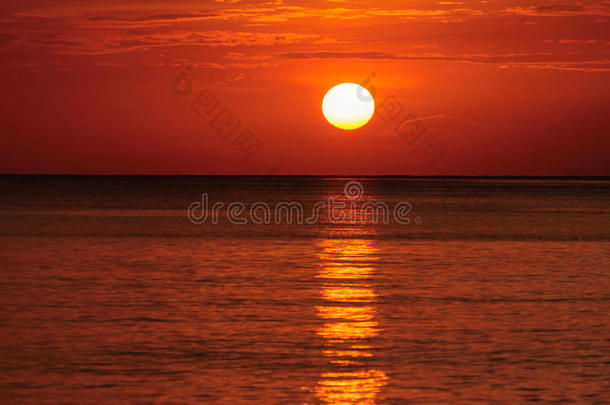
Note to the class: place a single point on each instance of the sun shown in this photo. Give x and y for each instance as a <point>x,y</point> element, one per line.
<point>348,106</point>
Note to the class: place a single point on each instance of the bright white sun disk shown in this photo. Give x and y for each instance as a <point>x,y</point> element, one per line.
<point>348,106</point>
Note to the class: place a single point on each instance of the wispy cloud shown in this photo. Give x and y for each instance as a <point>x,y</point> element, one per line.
<point>121,42</point>
<point>313,30</point>
<point>563,9</point>
<point>576,62</point>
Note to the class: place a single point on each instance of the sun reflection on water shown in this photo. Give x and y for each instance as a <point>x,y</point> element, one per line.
<point>349,315</point>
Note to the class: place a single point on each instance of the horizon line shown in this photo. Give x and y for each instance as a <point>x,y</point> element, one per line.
<point>512,176</point>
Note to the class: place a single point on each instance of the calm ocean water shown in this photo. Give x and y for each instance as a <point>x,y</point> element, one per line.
<point>497,291</point>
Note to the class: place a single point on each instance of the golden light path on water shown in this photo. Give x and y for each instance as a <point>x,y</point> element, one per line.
<point>349,315</point>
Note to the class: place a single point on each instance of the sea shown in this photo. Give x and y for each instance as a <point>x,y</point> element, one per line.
<point>358,290</point>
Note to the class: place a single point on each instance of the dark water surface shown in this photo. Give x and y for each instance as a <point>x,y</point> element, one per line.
<point>497,291</point>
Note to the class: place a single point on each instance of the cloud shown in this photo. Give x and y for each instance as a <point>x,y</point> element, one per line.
<point>106,43</point>
<point>311,32</point>
<point>563,10</point>
<point>158,17</point>
<point>584,66</point>
<point>339,55</point>
<point>286,13</point>
<point>559,7</point>
<point>578,62</point>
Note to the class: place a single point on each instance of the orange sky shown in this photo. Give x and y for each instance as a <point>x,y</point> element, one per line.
<point>505,87</point>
